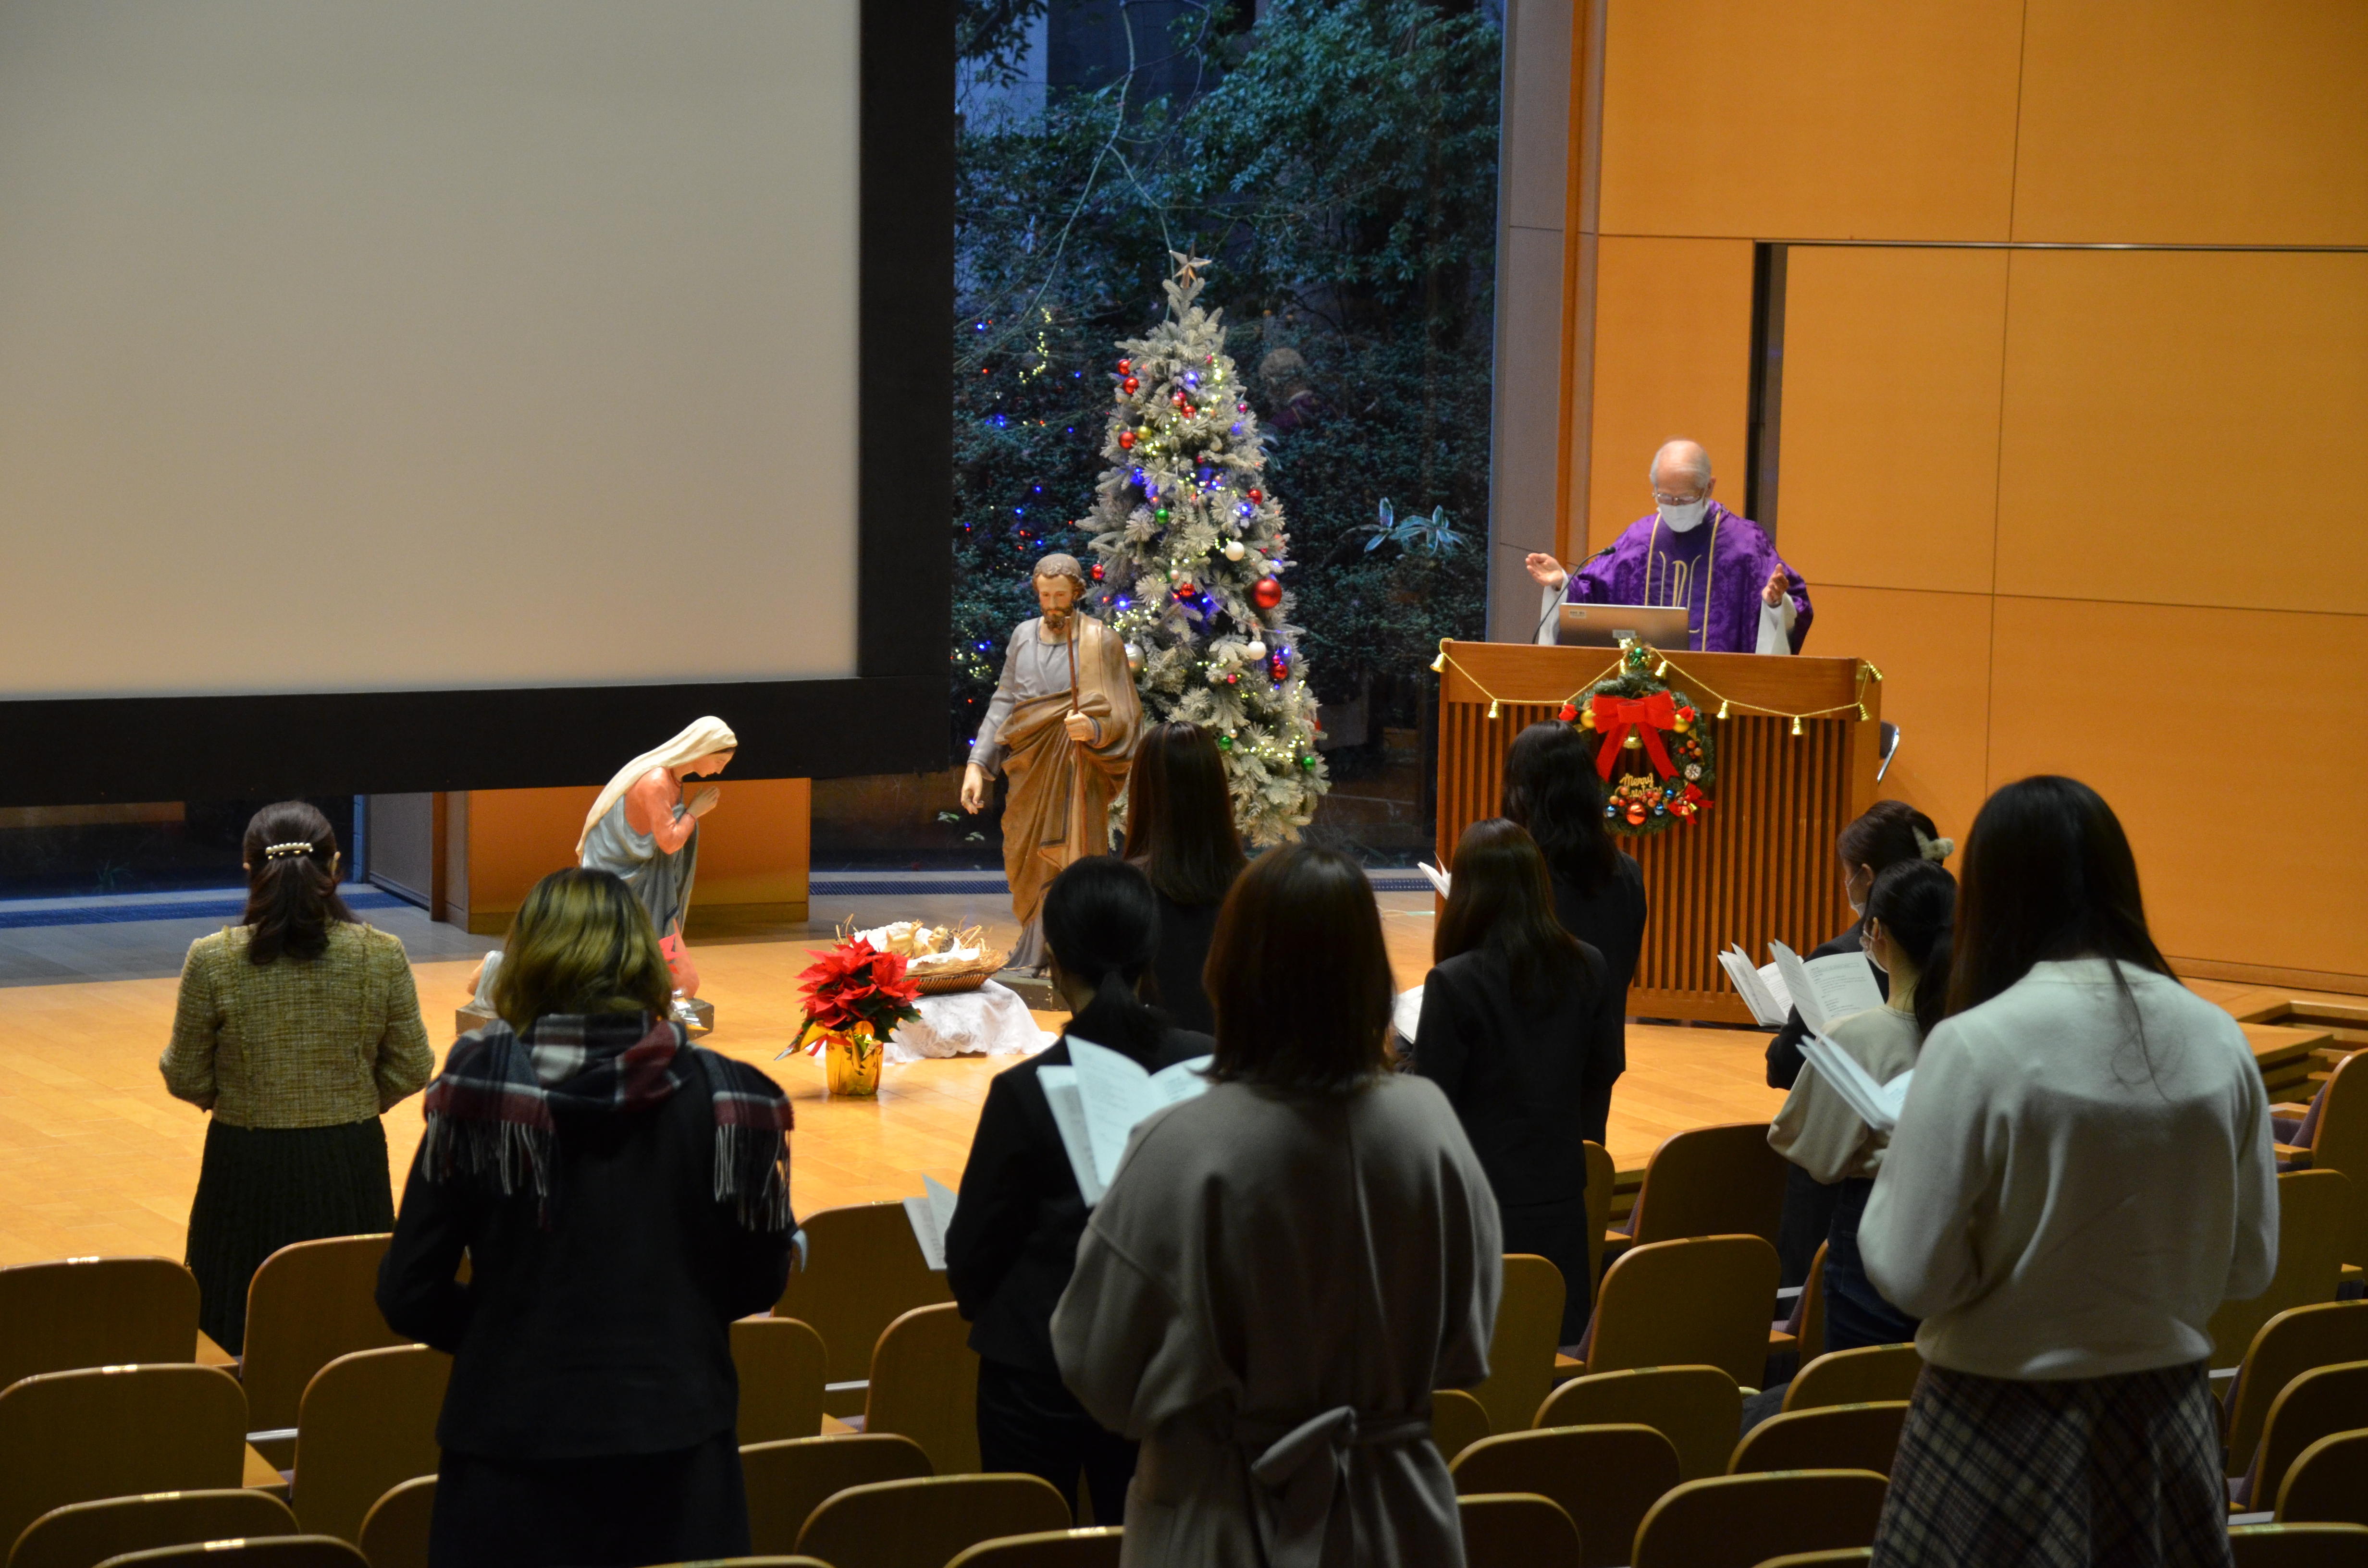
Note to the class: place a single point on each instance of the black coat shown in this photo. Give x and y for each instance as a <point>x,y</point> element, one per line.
<point>1611,919</point>
<point>1013,1244</point>
<point>1784,1057</point>
<point>606,1331</point>
<point>1185,932</point>
<point>1518,1073</point>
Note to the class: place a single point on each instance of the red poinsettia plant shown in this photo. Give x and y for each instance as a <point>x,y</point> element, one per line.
<point>856,987</point>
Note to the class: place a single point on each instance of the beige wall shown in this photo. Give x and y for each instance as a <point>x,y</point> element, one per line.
<point>2089,510</point>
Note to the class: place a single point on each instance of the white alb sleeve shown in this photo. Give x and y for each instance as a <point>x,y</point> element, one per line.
<point>1776,626</point>
<point>1548,632</point>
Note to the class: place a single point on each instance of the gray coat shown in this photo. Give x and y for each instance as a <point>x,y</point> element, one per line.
<point>1266,1297</point>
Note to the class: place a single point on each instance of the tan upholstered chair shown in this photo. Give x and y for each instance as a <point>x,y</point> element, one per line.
<point>1698,1409</point>
<point>1605,1478</point>
<point>782,1364</point>
<point>1517,1529</point>
<point>926,1524</point>
<point>95,1312</point>
<point>395,1531</point>
<point>787,1480</point>
<point>1710,1181</point>
<point>1831,1437</point>
<point>1457,1421</point>
<point>2299,1546</point>
<point>1702,1301</point>
<point>117,1432</point>
<point>254,1552</point>
<point>1861,1376</point>
<point>80,1534</point>
<point>310,1303</point>
<point>1092,1548</point>
<point>925,1386</point>
<point>2329,1480</point>
<point>2289,1345</point>
<point>1521,1348</point>
<point>367,1425</point>
<point>863,1271</point>
<point>2314,1229</point>
<point>1740,1521</point>
<point>2319,1403</point>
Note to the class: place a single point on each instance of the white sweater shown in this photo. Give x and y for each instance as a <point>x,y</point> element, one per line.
<point>2053,1208</point>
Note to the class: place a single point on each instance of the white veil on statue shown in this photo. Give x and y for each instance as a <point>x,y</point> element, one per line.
<point>703,737</point>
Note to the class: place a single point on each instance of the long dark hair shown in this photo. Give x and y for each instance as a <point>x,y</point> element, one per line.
<point>2048,875</point>
<point>1179,819</point>
<point>291,889</point>
<point>1499,896</point>
<point>1916,902</point>
<point>1102,925</point>
<point>1299,975</point>
<point>1551,789</point>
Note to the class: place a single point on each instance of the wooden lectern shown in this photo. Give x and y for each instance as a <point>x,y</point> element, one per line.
<point>1759,864</point>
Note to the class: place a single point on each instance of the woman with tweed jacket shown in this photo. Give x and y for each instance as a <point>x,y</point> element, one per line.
<point>296,1028</point>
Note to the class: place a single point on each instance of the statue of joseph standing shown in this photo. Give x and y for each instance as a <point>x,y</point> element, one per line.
<point>1062,728</point>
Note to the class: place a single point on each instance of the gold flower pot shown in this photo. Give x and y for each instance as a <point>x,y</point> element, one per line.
<point>851,1061</point>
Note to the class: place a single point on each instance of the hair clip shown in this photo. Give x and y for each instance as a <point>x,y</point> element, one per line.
<point>298,848</point>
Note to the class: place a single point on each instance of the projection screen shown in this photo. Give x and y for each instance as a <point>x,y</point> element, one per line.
<point>472,383</point>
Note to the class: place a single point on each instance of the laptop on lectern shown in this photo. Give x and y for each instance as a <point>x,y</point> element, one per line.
<point>1603,626</point>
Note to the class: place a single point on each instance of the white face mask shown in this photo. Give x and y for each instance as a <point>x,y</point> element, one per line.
<point>1683,518</point>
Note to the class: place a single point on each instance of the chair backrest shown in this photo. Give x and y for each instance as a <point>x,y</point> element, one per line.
<point>367,1425</point>
<point>926,1523</point>
<point>787,1481</point>
<point>1602,1176</point>
<point>1856,1376</point>
<point>1698,1409</point>
<point>2322,1400</point>
<point>1831,1437</point>
<point>80,1534</point>
<point>1702,1301</point>
<point>1712,1181</point>
<point>863,1271</point>
<point>1521,1347</point>
<point>2299,1546</point>
<point>254,1552</point>
<point>781,1364</point>
<point>2327,1483</point>
<point>2315,1226</point>
<point>1457,1421</point>
<point>1739,1521</point>
<point>95,1312</point>
<point>1812,1310</point>
<point>1605,1478</point>
<point>395,1531</point>
<point>2288,1345</point>
<point>925,1387</point>
<point>310,1303</point>
<point>1821,1559</point>
<point>1094,1547</point>
<point>2342,1143</point>
<point>1517,1529</point>
<point>117,1432</point>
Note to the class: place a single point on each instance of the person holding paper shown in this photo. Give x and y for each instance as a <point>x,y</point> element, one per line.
<point>1909,915</point>
<point>2082,1173</point>
<point>1288,1264</point>
<point>1551,790</point>
<point>1888,833</point>
<point>1520,1029</point>
<point>1015,1229</point>
<point>1179,829</point>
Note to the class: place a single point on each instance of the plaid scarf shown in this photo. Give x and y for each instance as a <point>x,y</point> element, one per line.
<point>491,1112</point>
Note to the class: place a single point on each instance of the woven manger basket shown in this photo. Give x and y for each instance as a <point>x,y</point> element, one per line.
<point>966,977</point>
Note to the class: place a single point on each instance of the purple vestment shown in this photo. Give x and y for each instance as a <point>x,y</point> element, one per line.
<point>1651,565</point>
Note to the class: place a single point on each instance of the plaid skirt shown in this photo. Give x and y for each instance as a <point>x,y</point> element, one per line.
<point>2110,1470</point>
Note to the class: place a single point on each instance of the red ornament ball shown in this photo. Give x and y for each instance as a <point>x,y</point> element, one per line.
<point>1267,594</point>
<point>1130,385</point>
<point>1257,496</point>
<point>1183,590</point>
<point>1097,570</point>
<point>1125,440</point>
<point>1125,366</point>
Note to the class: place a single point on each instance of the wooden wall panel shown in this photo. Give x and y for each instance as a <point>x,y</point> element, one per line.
<point>1672,358</point>
<point>2186,427</point>
<point>1891,360</point>
<point>2230,742</point>
<point>1934,652</point>
<point>2194,122</point>
<point>1814,118</point>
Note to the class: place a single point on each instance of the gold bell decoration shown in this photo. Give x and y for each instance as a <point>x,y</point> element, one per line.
<point>1862,713</point>
<point>1796,723</point>
<point>1634,742</point>
<point>1661,670</point>
<point>1722,707</point>
<point>1439,666</point>
<point>1492,708</point>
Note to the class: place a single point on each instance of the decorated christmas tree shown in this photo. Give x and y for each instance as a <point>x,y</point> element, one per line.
<point>1191,553</point>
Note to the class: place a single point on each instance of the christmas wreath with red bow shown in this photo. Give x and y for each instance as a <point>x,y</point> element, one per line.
<point>1652,749</point>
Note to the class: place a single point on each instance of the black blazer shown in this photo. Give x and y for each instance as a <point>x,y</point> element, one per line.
<point>1518,1075</point>
<point>606,1332</point>
<point>1784,1057</point>
<point>1013,1244</point>
<point>1611,919</point>
<point>1185,931</point>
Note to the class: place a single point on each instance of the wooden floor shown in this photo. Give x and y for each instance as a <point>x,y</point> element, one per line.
<point>95,1158</point>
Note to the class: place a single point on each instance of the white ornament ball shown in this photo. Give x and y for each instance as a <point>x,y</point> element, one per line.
<point>1233,551</point>
<point>1134,658</point>
<point>1254,651</point>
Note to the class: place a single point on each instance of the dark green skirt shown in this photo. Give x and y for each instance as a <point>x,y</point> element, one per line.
<point>262,1188</point>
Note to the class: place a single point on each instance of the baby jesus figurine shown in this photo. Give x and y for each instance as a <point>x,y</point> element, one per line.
<point>642,830</point>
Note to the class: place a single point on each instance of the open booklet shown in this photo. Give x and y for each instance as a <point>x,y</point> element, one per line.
<point>1439,879</point>
<point>1876,1104</point>
<point>932,1215</point>
<point>1827,990</point>
<point>1098,1099</point>
<point>1763,990</point>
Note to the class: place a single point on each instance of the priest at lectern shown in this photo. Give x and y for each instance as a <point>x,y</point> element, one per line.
<point>1690,551</point>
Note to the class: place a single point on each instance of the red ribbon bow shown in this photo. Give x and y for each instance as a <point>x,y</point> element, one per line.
<point>1615,716</point>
